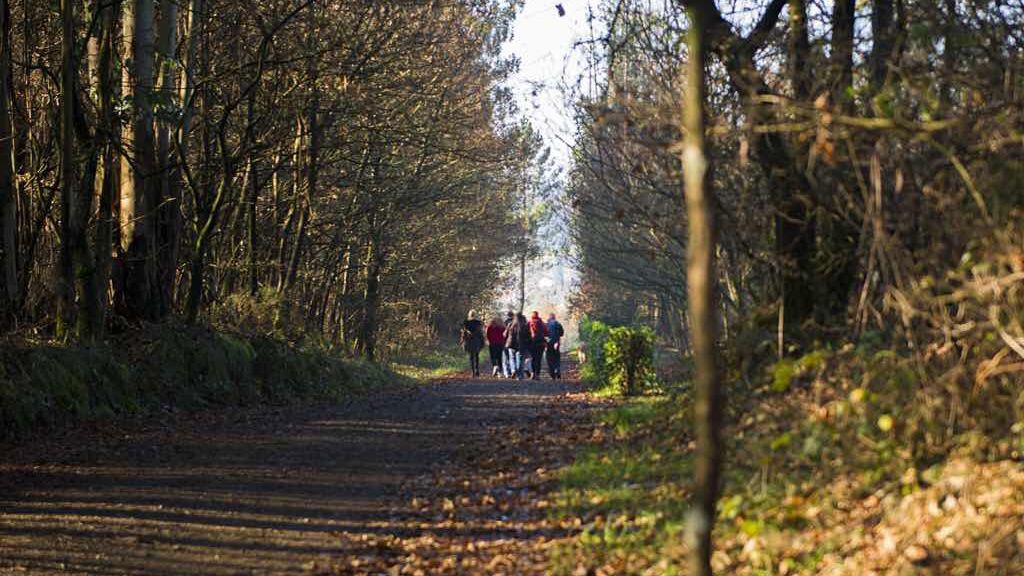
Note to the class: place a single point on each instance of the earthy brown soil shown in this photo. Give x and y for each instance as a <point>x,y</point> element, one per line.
<point>268,491</point>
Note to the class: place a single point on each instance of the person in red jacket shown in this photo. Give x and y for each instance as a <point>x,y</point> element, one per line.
<point>496,343</point>
<point>538,338</point>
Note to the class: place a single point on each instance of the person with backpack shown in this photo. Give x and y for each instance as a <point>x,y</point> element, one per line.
<point>496,344</point>
<point>538,339</point>
<point>554,351</point>
<point>472,339</point>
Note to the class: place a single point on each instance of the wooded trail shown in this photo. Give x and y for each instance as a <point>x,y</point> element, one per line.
<point>271,491</point>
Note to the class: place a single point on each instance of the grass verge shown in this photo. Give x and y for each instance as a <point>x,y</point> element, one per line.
<point>167,367</point>
<point>434,364</point>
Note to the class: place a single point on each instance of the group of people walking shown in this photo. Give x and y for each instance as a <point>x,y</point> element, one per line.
<point>517,345</point>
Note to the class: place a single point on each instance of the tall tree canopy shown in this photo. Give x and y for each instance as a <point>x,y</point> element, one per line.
<point>303,166</point>
<point>857,148</point>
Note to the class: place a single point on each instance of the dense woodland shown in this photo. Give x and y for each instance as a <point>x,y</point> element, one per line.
<point>850,240</point>
<point>804,221</point>
<point>857,150</point>
<point>291,167</point>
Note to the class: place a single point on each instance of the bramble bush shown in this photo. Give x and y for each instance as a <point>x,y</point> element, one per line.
<point>964,335</point>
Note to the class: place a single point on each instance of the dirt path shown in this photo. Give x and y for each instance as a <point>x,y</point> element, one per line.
<point>283,491</point>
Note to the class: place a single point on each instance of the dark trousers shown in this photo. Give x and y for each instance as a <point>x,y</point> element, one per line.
<point>536,359</point>
<point>554,361</point>
<point>496,352</point>
<point>474,361</point>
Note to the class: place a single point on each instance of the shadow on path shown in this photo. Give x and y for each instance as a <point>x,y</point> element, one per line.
<point>262,492</point>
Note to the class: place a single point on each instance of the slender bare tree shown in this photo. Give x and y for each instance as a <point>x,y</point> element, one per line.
<point>701,281</point>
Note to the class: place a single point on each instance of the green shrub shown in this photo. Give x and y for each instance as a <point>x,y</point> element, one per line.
<point>629,358</point>
<point>593,334</point>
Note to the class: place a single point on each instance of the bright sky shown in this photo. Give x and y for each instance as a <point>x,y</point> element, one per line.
<point>551,60</point>
<point>544,43</point>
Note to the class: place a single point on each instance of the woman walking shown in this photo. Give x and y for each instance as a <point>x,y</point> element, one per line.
<point>510,350</point>
<point>517,340</point>
<point>472,340</point>
<point>538,332</point>
<point>496,344</point>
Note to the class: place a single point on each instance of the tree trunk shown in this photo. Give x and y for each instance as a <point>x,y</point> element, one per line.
<point>522,257</point>
<point>348,312</point>
<point>312,168</point>
<point>194,31</point>
<point>371,302</point>
<point>839,238</point>
<point>293,208</point>
<point>253,195</point>
<point>197,273</point>
<point>843,19</point>
<point>137,217</point>
<point>800,297</point>
<point>10,295</point>
<point>78,308</point>
<point>799,51</point>
<point>107,149</point>
<point>949,57</point>
<point>700,276</point>
<point>167,187</point>
<point>68,200</point>
<point>522,283</point>
<point>882,37</point>
<point>292,268</point>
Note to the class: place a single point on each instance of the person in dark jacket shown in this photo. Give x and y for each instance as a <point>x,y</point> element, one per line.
<point>554,351</point>
<point>510,352</point>
<point>472,340</point>
<point>496,344</point>
<point>519,340</point>
<point>538,338</point>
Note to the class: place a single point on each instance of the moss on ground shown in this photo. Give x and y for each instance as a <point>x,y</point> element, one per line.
<point>46,386</point>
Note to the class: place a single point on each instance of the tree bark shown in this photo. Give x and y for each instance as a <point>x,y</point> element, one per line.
<point>882,37</point>
<point>312,168</point>
<point>949,57</point>
<point>137,209</point>
<point>107,149</point>
<point>167,185</point>
<point>79,314</point>
<point>68,200</point>
<point>371,301</point>
<point>253,195</point>
<point>843,20</point>
<point>700,274</point>
<point>799,51</point>
<point>10,294</point>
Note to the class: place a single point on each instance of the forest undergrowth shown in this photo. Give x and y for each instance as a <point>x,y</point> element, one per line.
<point>897,452</point>
<point>169,367</point>
<point>819,480</point>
